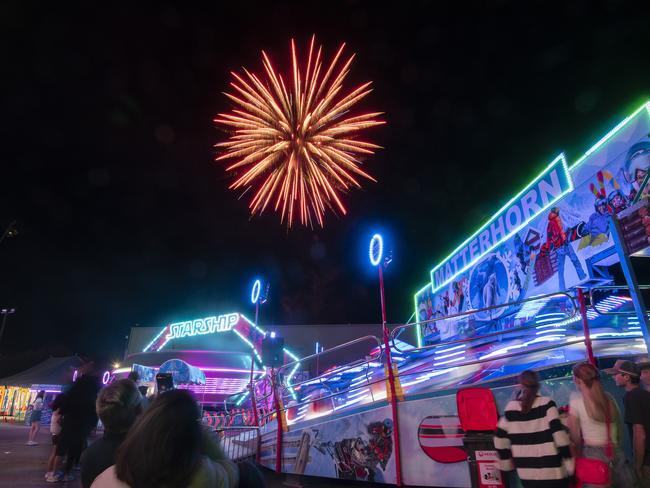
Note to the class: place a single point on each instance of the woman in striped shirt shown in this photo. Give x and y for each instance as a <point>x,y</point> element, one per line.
<point>531,439</point>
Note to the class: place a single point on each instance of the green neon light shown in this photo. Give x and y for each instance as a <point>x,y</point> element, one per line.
<point>611,134</point>
<point>417,315</point>
<point>561,159</point>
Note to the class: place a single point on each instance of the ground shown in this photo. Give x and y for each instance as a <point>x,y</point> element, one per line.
<point>23,466</point>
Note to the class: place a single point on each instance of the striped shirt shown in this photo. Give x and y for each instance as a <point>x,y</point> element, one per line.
<point>534,443</point>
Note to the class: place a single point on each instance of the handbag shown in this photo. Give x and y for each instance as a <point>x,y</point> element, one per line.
<point>594,471</point>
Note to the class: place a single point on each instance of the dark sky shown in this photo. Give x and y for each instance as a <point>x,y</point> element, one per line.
<point>124,217</point>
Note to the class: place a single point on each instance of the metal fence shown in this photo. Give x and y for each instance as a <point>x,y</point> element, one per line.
<point>239,443</point>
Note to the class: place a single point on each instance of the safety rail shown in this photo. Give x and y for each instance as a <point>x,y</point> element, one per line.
<point>235,418</point>
<point>397,331</point>
<point>321,381</point>
<point>404,375</point>
<point>358,340</point>
<point>611,287</point>
<point>394,334</point>
<point>238,443</point>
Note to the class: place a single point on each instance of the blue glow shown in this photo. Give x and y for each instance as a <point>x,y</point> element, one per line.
<point>273,334</point>
<point>255,292</point>
<point>376,250</point>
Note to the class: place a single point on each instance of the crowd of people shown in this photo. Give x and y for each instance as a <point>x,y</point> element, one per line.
<point>159,442</point>
<point>586,446</point>
<point>163,441</point>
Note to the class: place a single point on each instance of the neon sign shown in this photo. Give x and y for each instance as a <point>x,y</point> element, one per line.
<point>208,325</point>
<point>546,189</point>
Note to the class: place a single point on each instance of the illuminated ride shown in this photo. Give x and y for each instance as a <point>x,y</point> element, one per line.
<point>212,356</point>
<point>531,288</point>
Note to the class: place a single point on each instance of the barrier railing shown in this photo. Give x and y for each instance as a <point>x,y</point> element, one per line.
<point>238,443</point>
<point>325,352</point>
<point>611,287</point>
<point>405,375</point>
<point>397,331</point>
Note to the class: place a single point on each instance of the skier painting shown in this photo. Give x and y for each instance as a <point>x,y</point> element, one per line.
<point>556,240</point>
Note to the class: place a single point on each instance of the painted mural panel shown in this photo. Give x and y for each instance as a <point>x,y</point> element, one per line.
<point>360,446</point>
<point>356,447</point>
<point>552,252</point>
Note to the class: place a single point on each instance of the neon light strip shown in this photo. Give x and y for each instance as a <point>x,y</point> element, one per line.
<point>611,134</point>
<point>229,370</point>
<point>560,158</point>
<point>417,314</point>
<point>155,339</point>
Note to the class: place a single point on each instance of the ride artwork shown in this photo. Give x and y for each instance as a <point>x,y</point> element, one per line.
<point>513,257</point>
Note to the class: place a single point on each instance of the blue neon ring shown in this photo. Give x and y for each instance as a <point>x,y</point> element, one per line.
<point>106,377</point>
<point>376,243</point>
<point>255,292</point>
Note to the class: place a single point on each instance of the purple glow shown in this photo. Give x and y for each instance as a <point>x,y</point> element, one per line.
<point>215,370</point>
<point>106,377</point>
<point>228,370</point>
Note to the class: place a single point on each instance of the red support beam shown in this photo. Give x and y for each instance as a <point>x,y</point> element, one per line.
<point>391,381</point>
<point>585,327</point>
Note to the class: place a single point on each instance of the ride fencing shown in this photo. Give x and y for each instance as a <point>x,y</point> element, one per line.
<point>239,443</point>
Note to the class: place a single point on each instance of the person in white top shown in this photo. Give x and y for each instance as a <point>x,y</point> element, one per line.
<point>35,419</point>
<point>588,410</point>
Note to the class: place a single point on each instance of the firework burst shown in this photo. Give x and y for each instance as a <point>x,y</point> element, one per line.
<point>297,146</point>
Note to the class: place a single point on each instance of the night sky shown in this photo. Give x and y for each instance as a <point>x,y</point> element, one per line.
<point>125,218</point>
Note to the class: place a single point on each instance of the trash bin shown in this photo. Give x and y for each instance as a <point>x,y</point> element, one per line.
<point>483,461</point>
<point>477,412</point>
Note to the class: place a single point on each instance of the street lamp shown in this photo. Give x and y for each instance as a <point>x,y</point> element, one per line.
<point>5,312</point>
<point>376,255</point>
<point>257,300</point>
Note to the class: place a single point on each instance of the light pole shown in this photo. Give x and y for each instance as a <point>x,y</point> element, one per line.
<point>5,312</point>
<point>376,255</point>
<point>255,300</point>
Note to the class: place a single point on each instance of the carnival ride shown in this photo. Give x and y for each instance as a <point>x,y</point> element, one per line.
<point>344,422</point>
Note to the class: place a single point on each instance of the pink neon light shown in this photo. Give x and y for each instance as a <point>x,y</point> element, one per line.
<point>218,370</point>
<point>229,370</point>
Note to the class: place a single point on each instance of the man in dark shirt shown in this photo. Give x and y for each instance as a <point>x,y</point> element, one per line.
<point>637,415</point>
<point>118,405</point>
